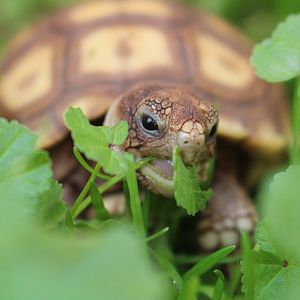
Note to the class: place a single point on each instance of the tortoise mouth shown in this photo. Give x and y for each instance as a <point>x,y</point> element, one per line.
<point>158,177</point>
<point>164,167</point>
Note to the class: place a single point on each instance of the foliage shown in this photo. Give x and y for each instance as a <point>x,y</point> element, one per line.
<point>36,265</point>
<point>97,258</point>
<point>188,192</point>
<point>272,268</point>
<point>278,58</point>
<point>24,172</point>
<point>96,141</point>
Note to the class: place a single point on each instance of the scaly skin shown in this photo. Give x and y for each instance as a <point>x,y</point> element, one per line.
<point>183,119</point>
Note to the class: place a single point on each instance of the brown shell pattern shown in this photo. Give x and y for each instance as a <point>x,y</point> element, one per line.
<point>89,54</point>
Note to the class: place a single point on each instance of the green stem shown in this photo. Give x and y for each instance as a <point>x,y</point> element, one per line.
<point>190,289</point>
<point>135,202</point>
<point>157,234</point>
<point>85,190</point>
<point>145,208</point>
<point>86,166</point>
<point>295,126</point>
<point>106,186</point>
<point>169,268</point>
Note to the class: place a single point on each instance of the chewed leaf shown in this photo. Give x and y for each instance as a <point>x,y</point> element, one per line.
<point>96,141</point>
<point>24,171</point>
<point>278,58</point>
<point>188,193</point>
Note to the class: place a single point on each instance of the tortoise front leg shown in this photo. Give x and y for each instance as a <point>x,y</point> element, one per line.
<point>226,215</point>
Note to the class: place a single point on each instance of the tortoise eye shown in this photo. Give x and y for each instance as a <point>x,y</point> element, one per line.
<point>149,124</point>
<point>212,134</point>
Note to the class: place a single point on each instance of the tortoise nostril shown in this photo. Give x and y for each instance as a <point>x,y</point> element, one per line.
<point>186,142</point>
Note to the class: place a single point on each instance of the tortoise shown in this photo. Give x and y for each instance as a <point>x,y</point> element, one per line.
<point>166,69</point>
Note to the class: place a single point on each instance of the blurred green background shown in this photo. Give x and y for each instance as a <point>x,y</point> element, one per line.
<point>256,18</point>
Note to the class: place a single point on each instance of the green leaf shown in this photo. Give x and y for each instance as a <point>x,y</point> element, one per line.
<point>278,58</point>
<point>247,266</point>
<point>190,289</point>
<point>208,262</point>
<point>135,202</point>
<point>86,166</point>
<point>219,288</point>
<point>188,193</point>
<point>158,234</point>
<point>97,201</point>
<point>109,266</point>
<point>282,208</point>
<point>169,269</point>
<point>277,257</point>
<point>51,210</point>
<point>190,286</point>
<point>24,171</point>
<point>276,275</point>
<point>96,141</point>
<point>295,116</point>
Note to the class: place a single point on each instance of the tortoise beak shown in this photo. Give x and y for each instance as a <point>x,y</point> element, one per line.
<point>192,146</point>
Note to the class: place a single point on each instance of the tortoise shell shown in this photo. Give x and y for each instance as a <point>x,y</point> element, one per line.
<point>89,54</point>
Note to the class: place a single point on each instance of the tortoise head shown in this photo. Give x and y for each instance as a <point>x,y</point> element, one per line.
<point>159,119</point>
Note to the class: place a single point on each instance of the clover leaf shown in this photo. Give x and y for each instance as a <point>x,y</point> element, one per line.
<point>97,142</point>
<point>278,58</point>
<point>276,256</point>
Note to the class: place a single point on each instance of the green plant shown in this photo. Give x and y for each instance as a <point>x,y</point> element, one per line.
<point>105,257</point>
<point>272,268</point>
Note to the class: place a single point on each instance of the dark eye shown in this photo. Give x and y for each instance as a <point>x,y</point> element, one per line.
<point>212,133</point>
<point>149,123</point>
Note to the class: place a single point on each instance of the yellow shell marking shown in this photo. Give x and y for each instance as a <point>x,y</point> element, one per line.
<point>29,79</point>
<point>124,49</point>
<point>233,127</point>
<point>266,135</point>
<point>91,106</point>
<point>97,10</point>
<point>223,65</point>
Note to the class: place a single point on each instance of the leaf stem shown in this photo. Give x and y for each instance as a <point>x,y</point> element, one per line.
<point>169,269</point>
<point>135,202</point>
<point>295,125</point>
<point>86,166</point>
<point>106,186</point>
<point>85,190</point>
<point>157,234</point>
